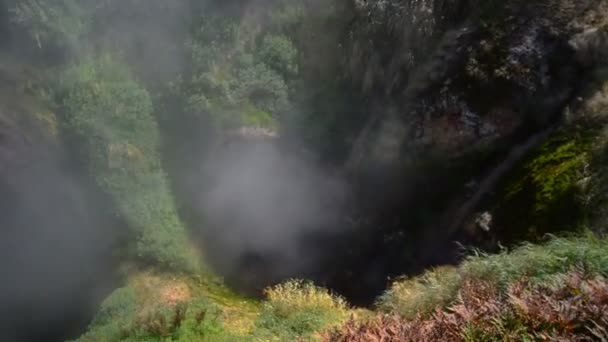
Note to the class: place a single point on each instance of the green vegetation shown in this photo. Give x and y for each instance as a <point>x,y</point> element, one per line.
<point>162,307</point>
<point>518,293</point>
<point>111,117</point>
<point>59,26</point>
<point>535,263</point>
<point>239,73</point>
<point>570,308</point>
<point>421,295</point>
<point>282,69</point>
<point>157,308</point>
<point>299,309</point>
<point>542,195</point>
<point>536,292</point>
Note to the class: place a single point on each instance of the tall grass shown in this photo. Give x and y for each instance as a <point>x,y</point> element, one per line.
<point>298,309</point>
<point>412,296</point>
<point>538,263</point>
<point>572,307</point>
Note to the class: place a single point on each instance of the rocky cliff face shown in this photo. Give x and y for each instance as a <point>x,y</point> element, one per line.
<point>456,74</point>
<point>460,94</point>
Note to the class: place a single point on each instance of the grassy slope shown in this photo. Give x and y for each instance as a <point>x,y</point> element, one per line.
<point>148,307</point>
<point>536,292</point>
<point>167,307</point>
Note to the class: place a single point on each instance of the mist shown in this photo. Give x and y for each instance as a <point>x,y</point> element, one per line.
<point>57,238</point>
<point>261,201</point>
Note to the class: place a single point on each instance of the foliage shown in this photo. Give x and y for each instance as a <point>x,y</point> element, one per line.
<point>55,25</point>
<point>421,295</point>
<point>552,171</point>
<point>111,116</point>
<point>540,262</point>
<point>537,263</point>
<point>570,309</point>
<point>237,78</point>
<point>113,317</point>
<point>299,309</point>
<point>542,194</point>
<point>123,302</point>
<point>164,307</point>
<point>197,320</point>
<point>279,53</point>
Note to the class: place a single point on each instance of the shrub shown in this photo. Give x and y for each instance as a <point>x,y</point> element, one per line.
<point>52,25</point>
<point>279,53</point>
<point>114,317</point>
<point>299,309</point>
<point>199,320</point>
<point>110,115</point>
<point>236,78</point>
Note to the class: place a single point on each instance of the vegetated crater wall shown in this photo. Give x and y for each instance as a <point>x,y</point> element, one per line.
<point>437,142</point>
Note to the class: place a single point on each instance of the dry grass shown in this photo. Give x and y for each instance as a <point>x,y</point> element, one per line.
<point>420,295</point>
<point>298,309</point>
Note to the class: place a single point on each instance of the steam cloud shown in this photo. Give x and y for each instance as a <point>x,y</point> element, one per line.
<point>54,246</point>
<point>263,201</point>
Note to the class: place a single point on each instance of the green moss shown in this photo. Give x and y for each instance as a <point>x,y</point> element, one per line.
<point>541,195</point>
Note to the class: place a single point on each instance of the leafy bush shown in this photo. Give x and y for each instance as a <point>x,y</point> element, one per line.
<point>279,53</point>
<point>53,25</point>
<point>235,76</point>
<point>299,309</point>
<point>115,316</point>
<point>111,116</point>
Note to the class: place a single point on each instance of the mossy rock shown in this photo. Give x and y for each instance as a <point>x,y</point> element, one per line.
<point>541,195</point>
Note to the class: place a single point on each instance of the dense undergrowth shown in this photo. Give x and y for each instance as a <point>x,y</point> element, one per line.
<point>110,115</point>
<point>554,290</point>
<point>163,307</point>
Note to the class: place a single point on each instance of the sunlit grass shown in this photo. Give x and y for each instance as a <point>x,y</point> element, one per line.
<point>537,263</point>
<point>299,309</point>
